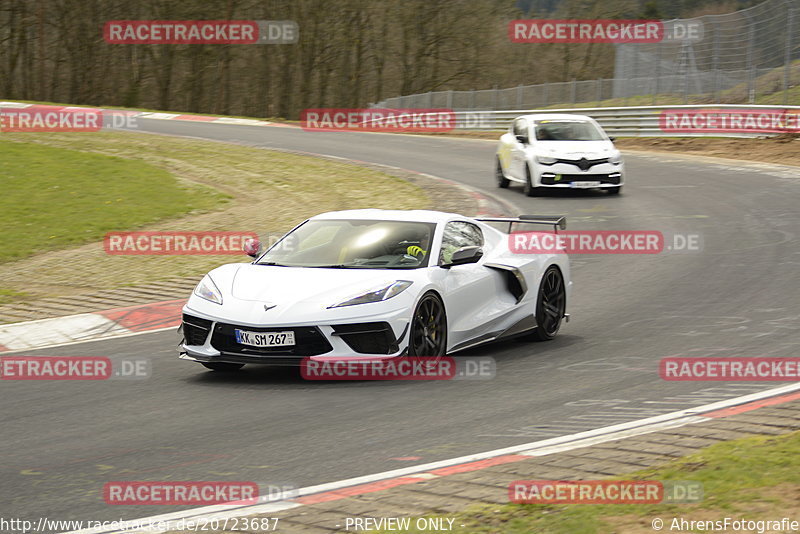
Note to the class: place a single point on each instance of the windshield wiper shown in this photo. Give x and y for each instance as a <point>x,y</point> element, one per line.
<point>272,264</point>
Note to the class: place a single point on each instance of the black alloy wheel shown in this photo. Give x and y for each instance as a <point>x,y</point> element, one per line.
<point>550,305</point>
<point>428,336</point>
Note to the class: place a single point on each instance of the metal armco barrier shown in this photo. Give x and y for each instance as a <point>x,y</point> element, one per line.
<point>624,121</point>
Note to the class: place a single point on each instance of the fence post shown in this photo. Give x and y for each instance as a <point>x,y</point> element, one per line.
<point>657,75</point>
<point>546,95</point>
<point>494,98</point>
<point>685,52</point>
<point>715,65</point>
<point>519,96</point>
<point>751,79</point>
<point>787,59</point>
<point>450,99</point>
<point>472,99</point>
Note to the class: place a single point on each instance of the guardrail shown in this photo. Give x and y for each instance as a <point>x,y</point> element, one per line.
<point>642,121</point>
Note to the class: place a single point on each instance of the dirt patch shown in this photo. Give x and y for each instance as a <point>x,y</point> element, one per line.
<point>783,149</point>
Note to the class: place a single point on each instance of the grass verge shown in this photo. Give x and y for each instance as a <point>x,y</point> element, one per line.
<point>56,197</point>
<point>269,193</point>
<point>752,478</point>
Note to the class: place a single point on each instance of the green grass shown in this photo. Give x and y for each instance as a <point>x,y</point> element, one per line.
<point>55,198</point>
<point>8,296</point>
<point>739,480</point>
<point>269,192</point>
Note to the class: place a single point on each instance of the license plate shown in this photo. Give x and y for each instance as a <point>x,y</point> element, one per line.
<point>584,185</point>
<point>265,339</point>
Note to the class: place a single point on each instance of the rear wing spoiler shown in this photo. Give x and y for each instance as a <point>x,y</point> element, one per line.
<point>556,221</point>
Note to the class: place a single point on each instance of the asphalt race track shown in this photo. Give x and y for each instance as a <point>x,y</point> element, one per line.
<point>737,297</point>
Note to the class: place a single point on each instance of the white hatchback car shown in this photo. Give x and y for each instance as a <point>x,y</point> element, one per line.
<point>558,151</point>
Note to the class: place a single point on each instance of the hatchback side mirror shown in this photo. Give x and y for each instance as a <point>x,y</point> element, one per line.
<point>522,139</point>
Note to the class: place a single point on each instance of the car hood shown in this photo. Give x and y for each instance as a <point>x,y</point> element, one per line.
<point>280,285</point>
<point>310,288</point>
<point>260,294</point>
<point>576,149</point>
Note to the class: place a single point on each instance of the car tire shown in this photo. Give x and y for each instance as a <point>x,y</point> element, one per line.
<point>528,188</point>
<point>223,366</point>
<point>502,181</point>
<point>427,334</point>
<point>614,190</point>
<point>551,305</point>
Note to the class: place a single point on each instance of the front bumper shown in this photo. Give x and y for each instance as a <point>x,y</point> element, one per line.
<point>209,340</point>
<point>567,176</point>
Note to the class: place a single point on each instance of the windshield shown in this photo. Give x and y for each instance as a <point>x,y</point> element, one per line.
<point>567,130</point>
<point>357,244</point>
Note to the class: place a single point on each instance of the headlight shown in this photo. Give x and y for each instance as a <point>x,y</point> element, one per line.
<point>376,295</point>
<point>208,290</point>
<point>546,160</point>
<point>615,160</point>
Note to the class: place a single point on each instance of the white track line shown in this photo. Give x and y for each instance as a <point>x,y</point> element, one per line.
<point>80,341</point>
<point>31,335</point>
<point>536,448</point>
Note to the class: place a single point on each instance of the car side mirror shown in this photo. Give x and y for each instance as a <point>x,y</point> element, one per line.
<point>465,255</point>
<point>522,139</point>
<point>252,247</point>
<point>612,139</point>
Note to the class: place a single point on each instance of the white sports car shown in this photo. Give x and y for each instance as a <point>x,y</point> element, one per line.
<point>558,151</point>
<point>376,284</point>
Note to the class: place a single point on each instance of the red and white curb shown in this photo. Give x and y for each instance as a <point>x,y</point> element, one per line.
<point>203,118</point>
<point>117,322</point>
<point>155,115</point>
<point>411,475</point>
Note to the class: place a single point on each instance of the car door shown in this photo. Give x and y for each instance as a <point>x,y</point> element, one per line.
<point>468,290</point>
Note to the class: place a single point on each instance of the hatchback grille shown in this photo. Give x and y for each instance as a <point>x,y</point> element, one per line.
<point>583,163</point>
<point>567,178</point>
